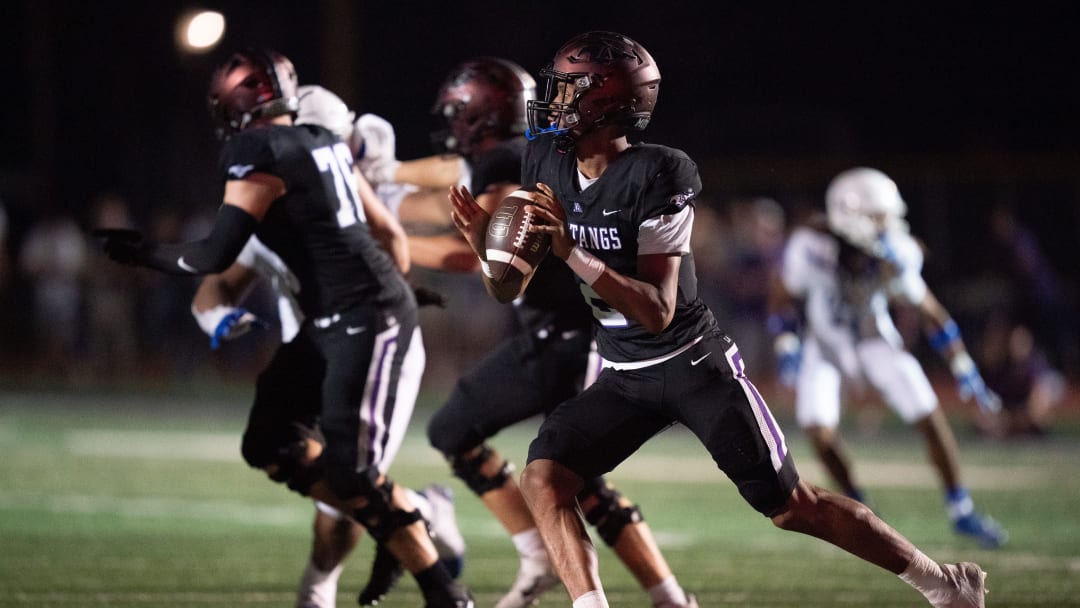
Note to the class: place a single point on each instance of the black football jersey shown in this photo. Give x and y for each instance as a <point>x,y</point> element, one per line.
<point>645,182</point>
<point>318,227</point>
<point>551,300</point>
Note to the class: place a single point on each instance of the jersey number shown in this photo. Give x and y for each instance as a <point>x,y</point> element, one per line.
<point>337,160</point>
<point>606,315</point>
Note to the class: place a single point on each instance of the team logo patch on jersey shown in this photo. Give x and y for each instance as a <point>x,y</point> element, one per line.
<point>680,199</point>
<point>239,171</point>
<point>577,209</point>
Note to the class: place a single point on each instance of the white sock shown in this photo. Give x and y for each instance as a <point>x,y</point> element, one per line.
<point>529,544</point>
<point>668,592</point>
<point>926,576</point>
<point>592,599</point>
<point>421,503</point>
<point>319,586</point>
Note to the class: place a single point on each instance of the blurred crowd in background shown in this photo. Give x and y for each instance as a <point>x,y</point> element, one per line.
<point>70,319</point>
<point>972,112</point>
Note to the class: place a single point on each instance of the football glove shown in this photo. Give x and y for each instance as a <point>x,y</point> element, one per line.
<point>123,245</point>
<point>226,323</point>
<point>788,351</point>
<point>970,384</point>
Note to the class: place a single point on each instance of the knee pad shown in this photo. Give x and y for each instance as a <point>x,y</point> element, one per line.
<point>468,470</point>
<point>286,448</point>
<point>608,516</point>
<point>379,516</point>
<point>293,468</point>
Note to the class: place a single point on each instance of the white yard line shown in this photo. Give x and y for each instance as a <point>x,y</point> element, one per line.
<point>165,445</point>
<point>645,466</point>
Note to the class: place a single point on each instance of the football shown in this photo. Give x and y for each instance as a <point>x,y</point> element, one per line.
<point>512,251</point>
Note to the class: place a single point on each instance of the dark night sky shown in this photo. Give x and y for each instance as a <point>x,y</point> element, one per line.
<point>105,103</point>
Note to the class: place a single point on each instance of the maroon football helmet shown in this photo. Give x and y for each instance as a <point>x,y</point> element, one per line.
<point>482,97</point>
<point>251,85</point>
<point>596,79</point>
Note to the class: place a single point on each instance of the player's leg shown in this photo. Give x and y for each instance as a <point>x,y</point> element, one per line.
<point>523,377</point>
<point>622,527</point>
<point>495,394</point>
<point>363,420</point>
<point>854,528</point>
<point>903,384</point>
<point>435,504</point>
<point>817,411</point>
<point>744,440</point>
<point>335,536</point>
<point>281,438</point>
<point>582,438</point>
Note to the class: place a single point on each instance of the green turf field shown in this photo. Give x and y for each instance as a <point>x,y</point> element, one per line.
<point>143,500</point>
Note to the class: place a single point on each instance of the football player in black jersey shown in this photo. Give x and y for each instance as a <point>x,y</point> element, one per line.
<point>620,216</point>
<point>481,104</point>
<point>292,187</point>
<point>288,390</point>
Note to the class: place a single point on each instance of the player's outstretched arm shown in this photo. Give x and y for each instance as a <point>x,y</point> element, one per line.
<point>782,324</point>
<point>437,172</point>
<point>944,336</point>
<point>448,252</point>
<point>384,226</point>
<point>246,202</point>
<point>374,144</point>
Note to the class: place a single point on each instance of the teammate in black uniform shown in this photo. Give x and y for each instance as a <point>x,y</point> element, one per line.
<point>483,104</point>
<point>292,187</point>
<point>620,215</point>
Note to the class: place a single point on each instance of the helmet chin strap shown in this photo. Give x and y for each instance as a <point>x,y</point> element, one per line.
<point>270,109</point>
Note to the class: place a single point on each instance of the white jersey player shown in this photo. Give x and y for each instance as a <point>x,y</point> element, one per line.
<point>846,274</point>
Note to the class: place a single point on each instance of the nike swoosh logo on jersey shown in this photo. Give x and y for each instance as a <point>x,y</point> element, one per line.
<point>607,212</point>
<point>239,171</point>
<point>352,331</point>
<point>701,358</point>
<point>185,266</point>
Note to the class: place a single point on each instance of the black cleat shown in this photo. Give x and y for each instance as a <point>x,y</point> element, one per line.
<point>385,572</point>
<point>458,596</point>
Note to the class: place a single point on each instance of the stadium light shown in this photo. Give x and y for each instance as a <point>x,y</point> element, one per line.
<point>198,32</point>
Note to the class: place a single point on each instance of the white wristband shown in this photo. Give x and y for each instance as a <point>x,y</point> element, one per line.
<point>585,265</point>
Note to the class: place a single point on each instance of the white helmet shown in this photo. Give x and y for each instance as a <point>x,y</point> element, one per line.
<point>319,106</point>
<point>862,203</point>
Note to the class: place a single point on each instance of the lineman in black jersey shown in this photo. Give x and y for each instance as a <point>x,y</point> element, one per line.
<point>482,104</point>
<point>620,216</point>
<point>292,187</point>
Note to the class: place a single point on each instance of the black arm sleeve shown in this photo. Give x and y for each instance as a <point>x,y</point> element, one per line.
<point>232,228</point>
